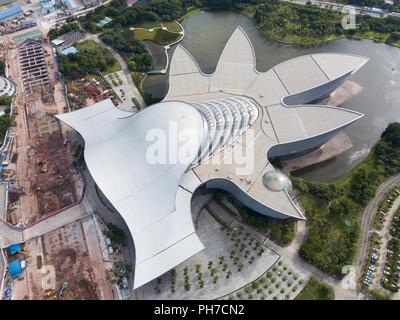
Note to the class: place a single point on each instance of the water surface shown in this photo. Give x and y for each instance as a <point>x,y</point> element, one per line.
<point>206,34</point>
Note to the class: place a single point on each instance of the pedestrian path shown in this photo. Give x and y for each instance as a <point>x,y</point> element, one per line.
<point>10,234</point>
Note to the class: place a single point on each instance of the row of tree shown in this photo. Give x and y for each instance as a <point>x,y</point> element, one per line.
<point>334,218</point>
<point>133,52</point>
<point>310,20</point>
<point>165,10</point>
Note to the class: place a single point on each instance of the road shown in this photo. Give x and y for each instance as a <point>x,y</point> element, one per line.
<point>124,67</point>
<point>290,252</point>
<point>367,220</point>
<point>333,6</point>
<point>11,234</point>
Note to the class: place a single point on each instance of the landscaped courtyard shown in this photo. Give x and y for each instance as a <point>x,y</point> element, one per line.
<point>231,260</point>
<point>281,282</point>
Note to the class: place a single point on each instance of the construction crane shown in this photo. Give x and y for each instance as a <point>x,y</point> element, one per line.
<point>53,293</point>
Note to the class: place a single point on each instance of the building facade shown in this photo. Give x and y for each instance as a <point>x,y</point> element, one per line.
<point>216,130</point>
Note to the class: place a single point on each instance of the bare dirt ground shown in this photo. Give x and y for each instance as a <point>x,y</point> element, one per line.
<point>66,250</point>
<point>70,254</point>
<point>43,165</point>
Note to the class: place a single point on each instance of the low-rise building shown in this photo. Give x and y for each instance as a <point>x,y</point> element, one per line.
<point>10,13</point>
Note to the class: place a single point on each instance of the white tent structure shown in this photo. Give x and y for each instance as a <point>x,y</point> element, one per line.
<point>237,112</point>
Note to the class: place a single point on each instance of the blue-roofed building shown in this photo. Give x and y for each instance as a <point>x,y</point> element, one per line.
<point>14,248</point>
<point>10,13</point>
<point>15,268</point>
<point>70,50</point>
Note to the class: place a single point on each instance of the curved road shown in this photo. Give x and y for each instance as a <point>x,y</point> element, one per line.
<point>368,218</point>
<point>123,66</point>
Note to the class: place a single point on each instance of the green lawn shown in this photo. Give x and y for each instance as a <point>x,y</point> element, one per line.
<point>316,290</point>
<point>29,34</point>
<point>172,26</point>
<point>89,45</point>
<point>159,36</point>
<point>298,40</point>
<point>190,13</point>
<point>113,68</point>
<point>149,24</point>
<point>377,37</point>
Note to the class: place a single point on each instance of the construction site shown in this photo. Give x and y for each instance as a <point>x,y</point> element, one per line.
<point>64,264</point>
<point>56,247</point>
<point>89,90</point>
<point>41,172</point>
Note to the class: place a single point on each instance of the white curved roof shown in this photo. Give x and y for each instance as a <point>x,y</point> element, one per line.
<point>236,74</point>
<point>154,198</point>
<point>7,87</point>
<point>146,195</point>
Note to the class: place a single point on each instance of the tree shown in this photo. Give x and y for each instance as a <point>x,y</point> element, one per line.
<point>119,271</point>
<point>363,185</point>
<point>116,235</point>
<point>90,59</point>
<point>342,207</point>
<point>2,67</point>
<point>201,283</point>
<point>65,28</point>
<point>5,100</point>
<point>187,286</point>
<point>392,134</point>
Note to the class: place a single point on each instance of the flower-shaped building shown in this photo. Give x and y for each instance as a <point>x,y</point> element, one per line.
<point>238,120</point>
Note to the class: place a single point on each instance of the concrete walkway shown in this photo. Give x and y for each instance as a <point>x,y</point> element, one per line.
<point>10,234</point>
<point>59,220</point>
<point>291,253</point>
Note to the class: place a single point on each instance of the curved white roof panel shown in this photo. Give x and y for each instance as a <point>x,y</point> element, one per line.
<point>235,113</point>
<point>145,194</point>
<point>7,87</point>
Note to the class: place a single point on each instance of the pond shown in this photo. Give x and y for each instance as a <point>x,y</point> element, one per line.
<point>206,34</point>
